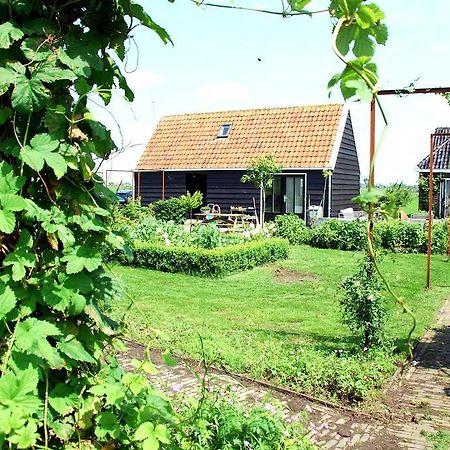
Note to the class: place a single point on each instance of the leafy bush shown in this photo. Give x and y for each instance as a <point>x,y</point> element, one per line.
<point>131,213</point>
<point>392,235</point>
<point>211,263</point>
<point>292,228</point>
<point>173,209</point>
<point>396,194</point>
<point>205,236</point>
<point>158,232</point>
<point>341,235</point>
<point>218,422</point>
<point>364,308</point>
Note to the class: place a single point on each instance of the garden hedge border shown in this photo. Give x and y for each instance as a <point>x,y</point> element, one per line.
<point>217,262</point>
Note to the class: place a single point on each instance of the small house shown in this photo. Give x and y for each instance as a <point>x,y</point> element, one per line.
<point>441,174</point>
<point>209,152</point>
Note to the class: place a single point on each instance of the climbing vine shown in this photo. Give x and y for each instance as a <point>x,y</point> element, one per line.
<point>57,389</point>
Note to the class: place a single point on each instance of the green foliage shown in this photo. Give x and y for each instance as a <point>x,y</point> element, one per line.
<point>393,235</point>
<point>288,332</point>
<point>340,235</point>
<point>397,194</point>
<point>260,172</point>
<point>205,236</point>
<point>57,388</point>
<point>292,228</point>
<point>404,237</point>
<point>173,209</point>
<point>440,439</point>
<point>363,306</point>
<point>191,201</point>
<point>358,30</point>
<point>210,263</point>
<point>218,422</point>
<point>131,213</point>
<point>424,189</point>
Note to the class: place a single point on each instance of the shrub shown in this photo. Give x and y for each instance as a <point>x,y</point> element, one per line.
<point>205,236</point>
<point>173,209</point>
<point>339,235</point>
<point>211,263</point>
<point>392,235</point>
<point>292,228</point>
<point>130,213</point>
<point>218,422</point>
<point>364,308</point>
<point>404,237</point>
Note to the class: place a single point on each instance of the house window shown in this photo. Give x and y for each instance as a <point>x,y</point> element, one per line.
<point>224,130</point>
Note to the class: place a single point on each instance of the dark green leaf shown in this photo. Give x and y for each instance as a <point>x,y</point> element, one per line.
<point>364,44</point>
<point>35,50</point>
<point>32,158</point>
<point>77,65</point>
<point>365,17</point>
<point>29,95</point>
<point>73,348</point>
<point>5,114</point>
<point>9,33</point>
<point>7,300</point>
<point>138,12</point>
<point>7,221</point>
<point>346,35</point>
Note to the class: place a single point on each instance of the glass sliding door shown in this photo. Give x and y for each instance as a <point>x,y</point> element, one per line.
<point>294,200</point>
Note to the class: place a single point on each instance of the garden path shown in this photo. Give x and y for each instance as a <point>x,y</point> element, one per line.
<point>415,402</point>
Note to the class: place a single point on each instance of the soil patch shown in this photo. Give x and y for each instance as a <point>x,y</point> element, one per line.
<point>282,275</point>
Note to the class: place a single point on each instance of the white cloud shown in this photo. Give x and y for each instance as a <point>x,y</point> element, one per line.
<point>222,91</point>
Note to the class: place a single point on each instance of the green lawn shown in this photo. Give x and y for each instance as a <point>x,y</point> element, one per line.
<point>290,334</point>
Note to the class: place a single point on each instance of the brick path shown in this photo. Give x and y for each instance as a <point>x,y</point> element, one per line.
<point>420,400</point>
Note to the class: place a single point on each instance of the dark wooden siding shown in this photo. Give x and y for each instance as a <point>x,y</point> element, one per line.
<point>151,185</point>
<point>226,189</point>
<point>346,175</point>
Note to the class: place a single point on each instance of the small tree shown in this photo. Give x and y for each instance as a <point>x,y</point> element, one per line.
<point>260,172</point>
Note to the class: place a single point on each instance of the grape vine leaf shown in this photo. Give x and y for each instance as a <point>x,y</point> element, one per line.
<point>9,33</point>
<point>17,389</point>
<point>81,257</point>
<point>31,338</point>
<point>42,150</point>
<point>75,350</point>
<point>29,94</point>
<point>7,300</point>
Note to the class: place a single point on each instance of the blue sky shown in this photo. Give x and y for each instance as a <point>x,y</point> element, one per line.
<point>214,66</point>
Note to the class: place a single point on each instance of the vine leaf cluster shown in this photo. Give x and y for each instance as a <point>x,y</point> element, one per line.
<point>59,388</point>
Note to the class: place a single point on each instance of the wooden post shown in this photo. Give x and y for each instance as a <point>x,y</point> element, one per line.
<point>430,210</point>
<point>139,184</point>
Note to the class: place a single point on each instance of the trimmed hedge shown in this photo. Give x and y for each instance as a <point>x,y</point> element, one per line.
<point>209,263</point>
<point>392,235</point>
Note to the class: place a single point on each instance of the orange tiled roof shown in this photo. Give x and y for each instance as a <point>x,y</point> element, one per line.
<point>298,137</point>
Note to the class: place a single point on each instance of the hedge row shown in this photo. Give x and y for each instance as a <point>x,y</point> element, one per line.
<point>209,263</point>
<point>395,236</point>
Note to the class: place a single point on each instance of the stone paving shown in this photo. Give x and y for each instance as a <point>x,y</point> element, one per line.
<point>418,401</point>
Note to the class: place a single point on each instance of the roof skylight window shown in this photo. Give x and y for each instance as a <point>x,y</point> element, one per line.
<point>224,130</point>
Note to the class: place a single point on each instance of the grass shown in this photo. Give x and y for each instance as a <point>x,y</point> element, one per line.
<point>290,334</point>
<point>440,440</point>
